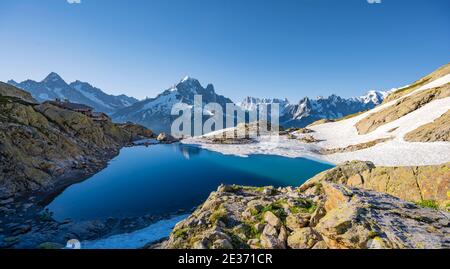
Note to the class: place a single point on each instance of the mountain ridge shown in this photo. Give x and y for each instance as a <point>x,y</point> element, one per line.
<point>53,86</point>
<point>309,110</point>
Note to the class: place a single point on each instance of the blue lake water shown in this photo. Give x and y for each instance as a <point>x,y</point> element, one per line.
<point>163,179</point>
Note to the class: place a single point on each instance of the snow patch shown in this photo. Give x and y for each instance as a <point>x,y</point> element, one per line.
<point>162,102</point>
<point>44,96</point>
<point>136,239</point>
<point>91,96</point>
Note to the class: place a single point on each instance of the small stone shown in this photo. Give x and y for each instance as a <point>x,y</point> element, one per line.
<point>267,191</point>
<point>283,235</point>
<point>272,219</point>
<point>246,214</point>
<point>271,242</point>
<point>166,138</point>
<point>304,238</point>
<point>222,244</point>
<point>308,139</point>
<point>217,234</point>
<point>225,188</point>
<point>297,221</point>
<point>270,230</point>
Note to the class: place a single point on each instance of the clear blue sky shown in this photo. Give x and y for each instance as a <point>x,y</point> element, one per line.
<point>244,47</point>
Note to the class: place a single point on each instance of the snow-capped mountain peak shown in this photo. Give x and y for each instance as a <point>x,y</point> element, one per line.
<point>52,78</point>
<point>372,96</point>
<point>155,113</point>
<point>186,78</point>
<point>12,82</point>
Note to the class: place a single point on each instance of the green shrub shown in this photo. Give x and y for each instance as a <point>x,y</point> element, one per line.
<point>218,215</point>
<point>429,204</point>
<point>182,233</point>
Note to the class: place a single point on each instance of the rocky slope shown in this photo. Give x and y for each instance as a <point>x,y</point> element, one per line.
<point>7,90</point>
<point>41,143</point>
<point>320,214</point>
<point>411,183</point>
<point>396,94</point>
<point>53,86</point>
<point>438,130</point>
<point>401,108</point>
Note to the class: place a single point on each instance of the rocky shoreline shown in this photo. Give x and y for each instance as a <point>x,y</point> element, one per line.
<point>36,229</point>
<point>24,216</point>
<point>25,223</point>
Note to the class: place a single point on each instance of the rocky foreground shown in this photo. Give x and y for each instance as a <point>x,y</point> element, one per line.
<point>323,213</point>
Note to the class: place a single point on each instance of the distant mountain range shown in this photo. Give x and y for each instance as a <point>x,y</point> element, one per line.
<point>309,110</point>
<point>53,87</point>
<point>155,112</point>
